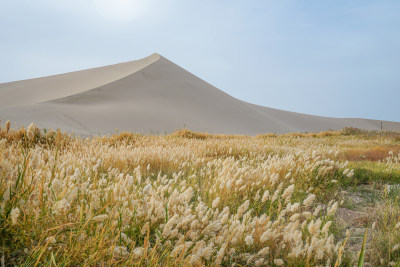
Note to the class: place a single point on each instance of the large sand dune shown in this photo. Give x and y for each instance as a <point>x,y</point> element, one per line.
<point>151,95</point>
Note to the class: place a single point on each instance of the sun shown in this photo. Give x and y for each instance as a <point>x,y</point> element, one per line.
<point>121,10</point>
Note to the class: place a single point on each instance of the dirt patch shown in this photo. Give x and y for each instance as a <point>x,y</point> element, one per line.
<point>350,218</point>
<point>357,215</point>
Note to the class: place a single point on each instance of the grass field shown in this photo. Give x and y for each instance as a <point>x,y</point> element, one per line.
<point>197,199</point>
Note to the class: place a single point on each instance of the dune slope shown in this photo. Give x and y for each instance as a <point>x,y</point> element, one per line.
<point>151,95</point>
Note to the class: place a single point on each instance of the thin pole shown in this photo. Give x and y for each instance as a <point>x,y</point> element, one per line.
<point>381,126</point>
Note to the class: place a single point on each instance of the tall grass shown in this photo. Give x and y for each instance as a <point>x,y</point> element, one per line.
<point>177,200</point>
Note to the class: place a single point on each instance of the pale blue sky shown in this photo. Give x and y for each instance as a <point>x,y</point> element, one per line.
<point>332,58</point>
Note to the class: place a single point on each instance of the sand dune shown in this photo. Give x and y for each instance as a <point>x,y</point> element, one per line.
<point>38,90</point>
<point>151,95</point>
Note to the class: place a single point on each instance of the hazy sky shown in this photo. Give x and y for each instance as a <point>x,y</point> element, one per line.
<point>332,58</point>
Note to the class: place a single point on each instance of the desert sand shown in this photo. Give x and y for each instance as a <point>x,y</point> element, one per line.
<point>152,95</point>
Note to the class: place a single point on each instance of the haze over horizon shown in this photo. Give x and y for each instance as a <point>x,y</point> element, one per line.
<point>331,59</point>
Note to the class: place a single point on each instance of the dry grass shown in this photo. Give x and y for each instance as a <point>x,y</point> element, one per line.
<point>183,199</point>
<point>266,136</point>
<point>376,153</point>
<point>185,133</point>
<point>385,243</point>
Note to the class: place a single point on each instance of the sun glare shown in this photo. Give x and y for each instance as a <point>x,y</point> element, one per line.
<point>122,10</point>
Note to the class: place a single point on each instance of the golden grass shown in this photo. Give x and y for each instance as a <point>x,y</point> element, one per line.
<point>182,199</point>
<point>376,153</point>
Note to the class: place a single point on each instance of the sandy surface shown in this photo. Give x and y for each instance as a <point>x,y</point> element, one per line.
<point>151,95</point>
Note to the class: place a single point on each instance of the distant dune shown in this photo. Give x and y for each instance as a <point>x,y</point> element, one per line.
<point>151,95</point>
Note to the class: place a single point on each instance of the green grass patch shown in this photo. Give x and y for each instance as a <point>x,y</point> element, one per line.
<point>368,172</point>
